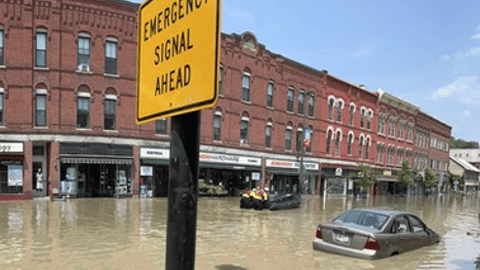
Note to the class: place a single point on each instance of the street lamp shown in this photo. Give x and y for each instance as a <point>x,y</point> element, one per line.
<point>302,170</point>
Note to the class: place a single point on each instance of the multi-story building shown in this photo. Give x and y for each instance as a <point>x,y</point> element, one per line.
<point>470,155</point>
<point>67,106</point>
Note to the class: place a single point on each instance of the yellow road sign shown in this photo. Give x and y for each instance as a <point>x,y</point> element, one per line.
<point>178,57</point>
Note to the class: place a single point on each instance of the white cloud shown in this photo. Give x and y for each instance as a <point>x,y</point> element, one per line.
<point>476,36</point>
<point>465,89</point>
<point>466,114</point>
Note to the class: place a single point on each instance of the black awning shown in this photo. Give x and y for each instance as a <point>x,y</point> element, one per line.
<point>92,160</point>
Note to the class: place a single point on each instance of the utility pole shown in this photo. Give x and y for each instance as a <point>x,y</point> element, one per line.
<point>302,169</point>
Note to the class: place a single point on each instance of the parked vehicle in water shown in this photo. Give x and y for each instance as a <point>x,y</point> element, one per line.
<point>373,234</point>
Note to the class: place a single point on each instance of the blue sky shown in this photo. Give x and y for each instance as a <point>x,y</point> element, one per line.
<point>425,52</point>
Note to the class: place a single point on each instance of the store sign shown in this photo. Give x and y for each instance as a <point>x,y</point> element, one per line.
<point>146,171</point>
<point>291,164</point>
<point>154,153</point>
<point>238,160</point>
<point>11,147</point>
<point>387,173</point>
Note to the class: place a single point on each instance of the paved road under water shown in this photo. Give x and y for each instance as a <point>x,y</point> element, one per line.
<point>131,234</point>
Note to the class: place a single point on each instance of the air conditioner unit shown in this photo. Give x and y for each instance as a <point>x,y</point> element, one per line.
<point>243,141</point>
<point>84,68</point>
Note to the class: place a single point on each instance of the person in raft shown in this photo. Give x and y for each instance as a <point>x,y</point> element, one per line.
<point>246,199</point>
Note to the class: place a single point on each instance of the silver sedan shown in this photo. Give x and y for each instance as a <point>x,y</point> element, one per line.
<point>373,234</point>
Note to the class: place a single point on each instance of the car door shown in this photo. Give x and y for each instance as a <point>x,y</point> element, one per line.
<point>405,238</point>
<point>419,232</point>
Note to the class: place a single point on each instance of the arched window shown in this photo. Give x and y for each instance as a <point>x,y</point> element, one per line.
<point>338,138</point>
<point>268,134</point>
<point>246,86</point>
<point>217,125</point>
<point>363,112</point>
<point>339,110</point>
<point>41,105</point>
<point>331,105</point>
<point>244,123</point>
<point>351,114</point>
<point>367,148</point>
<point>349,143</point>
<point>290,99</point>
<point>288,138</point>
<point>369,119</point>
<point>360,147</point>
<point>329,141</point>
<point>301,102</point>
<point>110,111</point>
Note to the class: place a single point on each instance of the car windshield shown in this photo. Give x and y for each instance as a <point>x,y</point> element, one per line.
<point>363,218</point>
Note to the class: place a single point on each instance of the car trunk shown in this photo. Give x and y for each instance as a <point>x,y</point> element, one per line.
<point>345,236</point>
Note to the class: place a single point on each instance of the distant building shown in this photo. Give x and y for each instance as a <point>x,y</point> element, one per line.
<point>466,170</point>
<point>470,155</point>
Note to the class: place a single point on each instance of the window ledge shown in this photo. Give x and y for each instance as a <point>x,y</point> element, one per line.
<point>246,102</point>
<point>244,145</point>
<point>111,130</point>
<point>84,129</point>
<point>40,127</point>
<point>310,117</point>
<point>41,68</point>
<point>290,112</point>
<point>162,135</point>
<point>84,72</point>
<point>3,66</point>
<point>111,75</point>
<point>217,141</point>
<point>270,108</point>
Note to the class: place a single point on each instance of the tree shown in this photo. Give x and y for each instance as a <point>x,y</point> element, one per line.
<point>366,176</point>
<point>453,177</point>
<point>430,178</point>
<point>462,144</point>
<point>404,176</point>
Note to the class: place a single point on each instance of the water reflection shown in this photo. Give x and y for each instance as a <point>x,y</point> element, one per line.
<point>131,234</point>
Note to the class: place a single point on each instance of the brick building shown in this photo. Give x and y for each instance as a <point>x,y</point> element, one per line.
<point>67,107</point>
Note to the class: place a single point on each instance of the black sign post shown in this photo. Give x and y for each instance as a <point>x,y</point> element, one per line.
<point>183,191</point>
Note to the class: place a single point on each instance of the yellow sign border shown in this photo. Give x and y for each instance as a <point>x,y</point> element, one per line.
<point>184,109</point>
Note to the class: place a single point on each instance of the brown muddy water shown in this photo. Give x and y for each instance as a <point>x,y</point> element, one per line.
<point>131,234</point>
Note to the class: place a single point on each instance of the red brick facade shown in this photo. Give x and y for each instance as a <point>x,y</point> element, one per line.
<point>63,82</point>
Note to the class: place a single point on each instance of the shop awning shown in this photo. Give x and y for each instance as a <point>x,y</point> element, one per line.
<point>290,172</point>
<point>228,166</point>
<point>80,160</point>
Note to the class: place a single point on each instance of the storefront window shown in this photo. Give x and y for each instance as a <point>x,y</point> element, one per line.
<point>11,176</point>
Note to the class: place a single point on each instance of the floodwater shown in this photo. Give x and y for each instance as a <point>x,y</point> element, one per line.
<point>131,234</point>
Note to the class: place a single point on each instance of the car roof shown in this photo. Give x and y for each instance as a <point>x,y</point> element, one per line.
<point>387,212</point>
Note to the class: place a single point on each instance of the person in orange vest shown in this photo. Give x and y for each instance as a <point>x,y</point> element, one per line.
<point>258,200</point>
<point>246,200</point>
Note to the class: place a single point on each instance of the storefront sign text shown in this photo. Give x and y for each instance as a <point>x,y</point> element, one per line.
<point>291,164</point>
<point>11,147</point>
<point>220,158</point>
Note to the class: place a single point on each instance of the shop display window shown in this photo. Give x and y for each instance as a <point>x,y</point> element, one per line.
<point>11,177</point>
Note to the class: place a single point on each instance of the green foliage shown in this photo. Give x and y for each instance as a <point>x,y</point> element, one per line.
<point>462,144</point>
<point>454,177</point>
<point>404,176</point>
<point>366,176</point>
<point>430,178</point>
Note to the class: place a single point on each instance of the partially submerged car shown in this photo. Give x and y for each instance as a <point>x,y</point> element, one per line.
<point>373,234</point>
